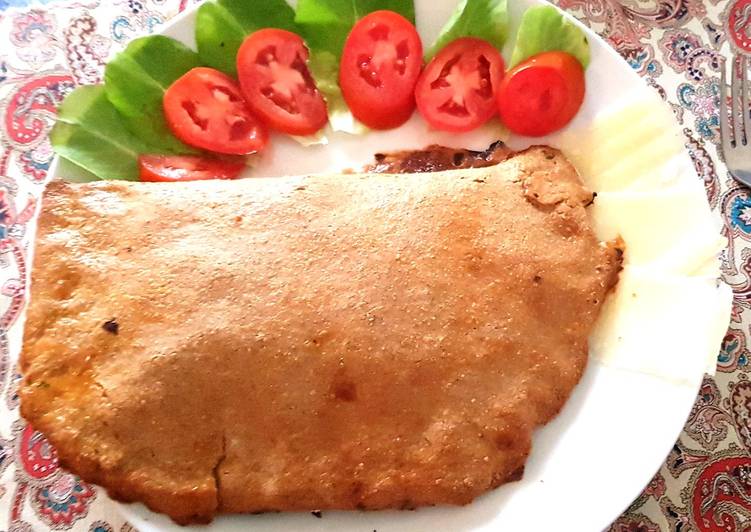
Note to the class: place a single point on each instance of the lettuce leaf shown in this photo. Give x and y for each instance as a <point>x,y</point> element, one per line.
<point>544,29</point>
<point>484,19</point>
<point>326,23</point>
<point>104,128</point>
<point>221,27</point>
<point>324,67</point>
<point>90,133</point>
<point>135,82</point>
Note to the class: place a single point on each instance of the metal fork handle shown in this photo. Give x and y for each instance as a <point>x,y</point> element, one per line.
<point>735,122</point>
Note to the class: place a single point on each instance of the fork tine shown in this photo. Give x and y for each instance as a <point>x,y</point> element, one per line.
<point>735,96</point>
<point>725,133</point>
<point>744,100</point>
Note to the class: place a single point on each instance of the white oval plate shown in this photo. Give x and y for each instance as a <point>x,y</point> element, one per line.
<point>590,462</point>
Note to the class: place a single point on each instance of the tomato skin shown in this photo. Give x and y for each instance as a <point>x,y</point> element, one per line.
<point>379,68</point>
<point>205,108</point>
<point>542,94</point>
<point>456,91</point>
<point>171,168</point>
<point>275,79</point>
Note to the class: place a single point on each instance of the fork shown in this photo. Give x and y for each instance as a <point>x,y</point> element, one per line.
<point>736,137</point>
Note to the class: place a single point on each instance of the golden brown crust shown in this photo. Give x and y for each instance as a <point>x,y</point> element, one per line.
<point>310,343</point>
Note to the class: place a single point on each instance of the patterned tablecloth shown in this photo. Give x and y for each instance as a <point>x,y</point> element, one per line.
<point>49,46</point>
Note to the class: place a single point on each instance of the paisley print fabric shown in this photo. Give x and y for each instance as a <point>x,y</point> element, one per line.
<point>47,47</point>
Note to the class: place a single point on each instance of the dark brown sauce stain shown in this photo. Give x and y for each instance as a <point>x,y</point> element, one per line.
<point>437,158</point>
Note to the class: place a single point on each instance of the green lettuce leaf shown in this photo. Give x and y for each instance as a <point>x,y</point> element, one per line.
<point>221,27</point>
<point>135,82</point>
<point>485,19</point>
<point>326,23</point>
<point>324,67</point>
<point>544,29</point>
<point>90,133</point>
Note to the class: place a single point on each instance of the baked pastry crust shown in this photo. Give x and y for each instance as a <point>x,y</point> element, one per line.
<point>360,341</point>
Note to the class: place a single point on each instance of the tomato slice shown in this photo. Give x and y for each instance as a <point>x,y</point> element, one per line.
<point>272,66</point>
<point>542,94</point>
<point>379,68</point>
<point>205,108</point>
<point>186,168</point>
<point>456,91</point>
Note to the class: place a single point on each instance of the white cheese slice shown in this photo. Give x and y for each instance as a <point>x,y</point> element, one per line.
<point>669,313</point>
<point>657,324</point>
<point>627,144</point>
<point>672,230</point>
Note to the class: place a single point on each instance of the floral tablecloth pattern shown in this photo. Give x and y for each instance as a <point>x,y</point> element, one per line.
<point>49,46</point>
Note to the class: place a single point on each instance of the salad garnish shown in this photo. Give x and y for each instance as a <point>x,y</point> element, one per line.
<point>206,109</point>
<point>380,64</point>
<point>457,90</point>
<point>325,24</point>
<point>328,61</point>
<point>545,29</point>
<point>135,81</point>
<point>222,25</point>
<point>272,66</point>
<point>169,168</point>
<point>90,133</point>
<point>541,94</point>
<point>484,19</point>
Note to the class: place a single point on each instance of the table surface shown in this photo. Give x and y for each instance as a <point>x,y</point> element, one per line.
<point>48,46</point>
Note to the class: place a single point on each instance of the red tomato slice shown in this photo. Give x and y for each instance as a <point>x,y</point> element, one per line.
<point>272,66</point>
<point>186,168</point>
<point>542,94</point>
<point>380,65</point>
<point>205,108</point>
<point>456,91</point>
